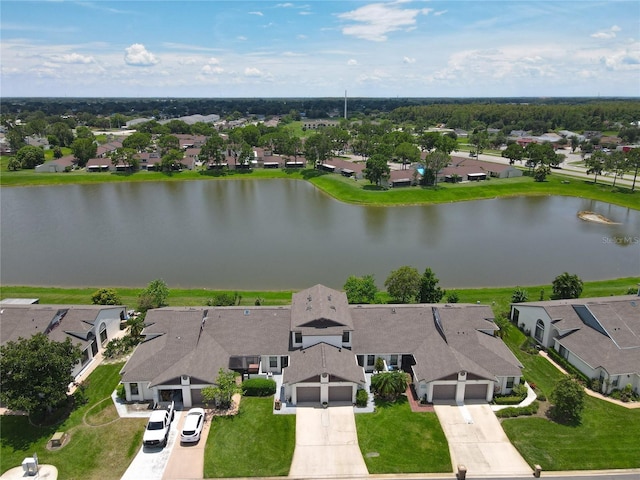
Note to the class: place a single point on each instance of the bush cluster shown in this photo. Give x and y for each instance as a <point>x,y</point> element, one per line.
<point>120,392</point>
<point>362,397</point>
<point>224,300</point>
<point>518,411</point>
<point>258,387</point>
<point>120,346</point>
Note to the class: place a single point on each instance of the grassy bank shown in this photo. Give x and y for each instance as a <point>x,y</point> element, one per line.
<point>498,297</point>
<point>99,448</point>
<point>357,192</point>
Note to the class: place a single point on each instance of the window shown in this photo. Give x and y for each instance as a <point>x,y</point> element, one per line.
<point>297,337</point>
<point>564,353</point>
<point>360,360</point>
<point>346,337</point>
<point>273,362</point>
<point>510,381</point>
<point>394,360</point>
<point>614,383</point>
<point>103,334</point>
<point>539,335</point>
<point>134,388</point>
<point>371,359</point>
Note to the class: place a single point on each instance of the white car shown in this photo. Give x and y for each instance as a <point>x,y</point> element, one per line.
<point>192,427</point>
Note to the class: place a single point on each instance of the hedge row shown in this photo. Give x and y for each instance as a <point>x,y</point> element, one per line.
<point>518,411</point>
<point>258,387</point>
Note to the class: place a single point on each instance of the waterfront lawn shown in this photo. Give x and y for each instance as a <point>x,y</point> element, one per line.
<point>607,438</point>
<point>404,441</point>
<point>101,451</point>
<point>253,443</point>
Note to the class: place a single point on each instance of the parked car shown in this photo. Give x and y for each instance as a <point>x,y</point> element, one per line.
<point>157,432</point>
<point>193,424</point>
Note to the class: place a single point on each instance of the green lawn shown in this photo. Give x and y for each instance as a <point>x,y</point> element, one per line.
<point>101,451</point>
<point>254,443</point>
<point>607,438</point>
<point>404,441</point>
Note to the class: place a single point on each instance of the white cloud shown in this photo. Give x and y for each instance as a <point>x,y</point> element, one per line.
<point>252,72</point>
<point>211,70</point>
<point>376,20</point>
<point>352,61</point>
<point>260,14</point>
<point>213,61</point>
<point>408,60</point>
<point>72,58</point>
<point>441,12</point>
<point>285,5</point>
<point>137,55</point>
<point>187,61</point>
<point>623,59</point>
<point>607,34</point>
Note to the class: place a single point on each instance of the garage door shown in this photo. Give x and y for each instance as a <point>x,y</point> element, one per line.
<point>341,394</point>
<point>196,396</point>
<point>444,392</point>
<point>475,391</point>
<point>308,394</point>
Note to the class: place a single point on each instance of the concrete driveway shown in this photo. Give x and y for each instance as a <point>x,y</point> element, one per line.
<point>477,441</point>
<point>187,460</point>
<point>326,444</point>
<point>150,463</point>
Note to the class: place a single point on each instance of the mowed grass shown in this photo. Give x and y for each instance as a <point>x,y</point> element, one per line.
<point>607,438</point>
<point>253,443</point>
<point>394,439</point>
<point>94,452</point>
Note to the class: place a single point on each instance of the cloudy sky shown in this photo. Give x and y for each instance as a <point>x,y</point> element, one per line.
<point>313,48</point>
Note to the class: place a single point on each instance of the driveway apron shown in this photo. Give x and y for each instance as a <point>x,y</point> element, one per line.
<point>326,444</point>
<point>187,460</point>
<point>150,463</point>
<point>477,441</point>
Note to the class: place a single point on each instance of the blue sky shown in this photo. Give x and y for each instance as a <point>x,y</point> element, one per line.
<point>319,48</point>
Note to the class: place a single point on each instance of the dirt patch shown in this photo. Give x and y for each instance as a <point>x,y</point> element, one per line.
<point>595,218</point>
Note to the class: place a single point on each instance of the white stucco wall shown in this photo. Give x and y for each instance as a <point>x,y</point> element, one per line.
<point>309,341</point>
<point>527,319</point>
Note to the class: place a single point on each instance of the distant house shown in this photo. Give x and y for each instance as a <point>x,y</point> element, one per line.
<point>598,336</point>
<point>319,124</point>
<point>56,165</point>
<point>471,169</point>
<point>89,326</point>
<point>323,349</point>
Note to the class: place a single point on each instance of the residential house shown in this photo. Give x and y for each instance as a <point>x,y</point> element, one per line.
<point>323,349</point>
<point>57,165</point>
<point>89,326</point>
<point>598,336</point>
<point>471,169</point>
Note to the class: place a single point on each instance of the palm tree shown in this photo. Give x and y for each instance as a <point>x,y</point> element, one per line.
<point>390,385</point>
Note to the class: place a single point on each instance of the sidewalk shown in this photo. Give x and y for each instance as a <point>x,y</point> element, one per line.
<point>591,393</point>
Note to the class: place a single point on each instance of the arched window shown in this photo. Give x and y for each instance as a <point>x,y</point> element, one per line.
<point>539,334</point>
<point>103,334</point>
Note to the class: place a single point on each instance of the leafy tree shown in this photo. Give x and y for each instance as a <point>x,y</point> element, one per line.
<point>167,143</point>
<point>106,296</point>
<point>376,169</point>
<point>63,133</point>
<point>447,144</point>
<point>36,372</point>
<point>479,140</point>
<point>429,291</point>
<point>30,156</point>
<point>390,385</point>
<point>126,157</point>
<point>567,286</point>
<point>407,153</point>
<point>138,141</point>
<point>403,284</point>
<point>519,295</point>
<point>172,160</point>
<point>541,173</point>
<point>84,149</point>
<point>14,164</point>
<point>633,163</point>
<point>434,162</point>
<point>212,150</point>
<point>568,400</point>
<point>361,289</point>
<point>136,325</point>
<point>513,152</point>
<point>317,148</point>
<point>15,137</point>
<point>616,163</point>
<point>57,152</point>
<point>154,296</point>
<point>595,164</point>
<point>223,391</point>
<point>84,132</point>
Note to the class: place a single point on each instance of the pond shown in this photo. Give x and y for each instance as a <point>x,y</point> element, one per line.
<point>286,234</point>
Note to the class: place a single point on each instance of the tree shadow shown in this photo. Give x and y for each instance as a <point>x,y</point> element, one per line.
<point>309,173</point>
<point>213,173</point>
<point>374,188</point>
<point>553,415</point>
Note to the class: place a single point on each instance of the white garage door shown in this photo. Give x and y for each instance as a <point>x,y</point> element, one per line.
<point>308,394</point>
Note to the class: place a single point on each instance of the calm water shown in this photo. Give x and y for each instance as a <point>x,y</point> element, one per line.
<point>281,234</point>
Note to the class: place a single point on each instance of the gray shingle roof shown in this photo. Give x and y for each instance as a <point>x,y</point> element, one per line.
<point>322,358</point>
<point>320,307</point>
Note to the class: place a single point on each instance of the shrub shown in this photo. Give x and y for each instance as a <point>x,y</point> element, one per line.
<point>595,385</point>
<point>453,297</point>
<point>379,365</point>
<point>519,390</point>
<point>519,295</point>
<point>507,400</point>
<point>224,300</point>
<point>120,392</point>
<point>258,387</point>
<point>518,411</point>
<point>362,397</point>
